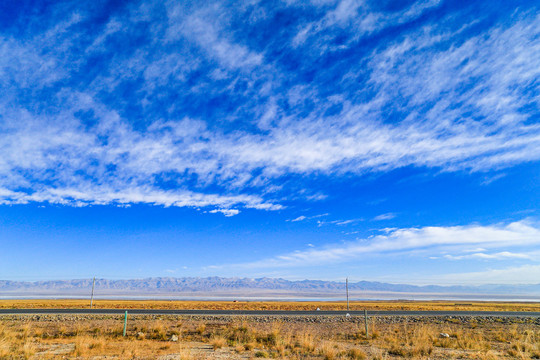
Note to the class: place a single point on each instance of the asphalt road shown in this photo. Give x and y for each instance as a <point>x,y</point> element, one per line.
<point>268,312</point>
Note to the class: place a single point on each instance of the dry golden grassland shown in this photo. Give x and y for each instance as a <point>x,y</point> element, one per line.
<point>274,305</point>
<point>187,337</point>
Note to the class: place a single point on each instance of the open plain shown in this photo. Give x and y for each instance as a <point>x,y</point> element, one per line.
<point>94,336</point>
<point>272,305</point>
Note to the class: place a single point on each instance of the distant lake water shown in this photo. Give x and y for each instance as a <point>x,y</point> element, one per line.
<point>404,297</point>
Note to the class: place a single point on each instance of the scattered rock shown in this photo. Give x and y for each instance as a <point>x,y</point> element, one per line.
<point>319,318</point>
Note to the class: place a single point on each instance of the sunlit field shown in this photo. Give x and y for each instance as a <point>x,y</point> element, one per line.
<point>236,337</point>
<point>274,305</point>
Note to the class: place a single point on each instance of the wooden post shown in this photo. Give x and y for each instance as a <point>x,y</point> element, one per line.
<point>125,324</point>
<point>347,286</point>
<point>366,321</point>
<point>92,297</point>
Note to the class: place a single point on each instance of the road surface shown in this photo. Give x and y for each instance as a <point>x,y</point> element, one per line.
<point>266,312</point>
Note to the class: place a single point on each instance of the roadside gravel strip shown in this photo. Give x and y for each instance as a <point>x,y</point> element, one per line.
<point>376,318</point>
<point>272,313</point>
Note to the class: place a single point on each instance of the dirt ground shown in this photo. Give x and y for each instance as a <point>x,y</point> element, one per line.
<point>282,337</point>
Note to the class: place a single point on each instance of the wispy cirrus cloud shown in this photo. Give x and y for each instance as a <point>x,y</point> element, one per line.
<point>424,240</point>
<point>339,222</point>
<point>201,28</point>
<point>503,255</point>
<point>196,103</point>
<point>386,216</point>
<point>524,274</point>
<point>304,217</point>
<point>360,18</point>
<point>300,218</point>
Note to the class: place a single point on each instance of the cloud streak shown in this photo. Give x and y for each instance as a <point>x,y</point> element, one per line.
<point>525,274</point>
<point>200,114</point>
<point>424,240</point>
<point>387,216</point>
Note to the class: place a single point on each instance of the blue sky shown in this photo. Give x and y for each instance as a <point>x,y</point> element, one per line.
<point>396,141</point>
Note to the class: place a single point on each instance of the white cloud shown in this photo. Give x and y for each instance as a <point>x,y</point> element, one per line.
<point>49,151</point>
<point>346,222</point>
<point>201,28</point>
<point>489,179</point>
<point>525,274</point>
<point>300,218</point>
<point>303,217</point>
<point>387,216</point>
<point>503,255</point>
<point>359,18</point>
<point>337,222</point>
<point>226,212</point>
<point>428,240</point>
<point>83,196</point>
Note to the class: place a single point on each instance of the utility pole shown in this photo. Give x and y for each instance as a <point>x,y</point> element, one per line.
<point>347,287</point>
<point>92,298</point>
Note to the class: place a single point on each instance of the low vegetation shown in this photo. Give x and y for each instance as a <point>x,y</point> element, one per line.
<point>273,305</point>
<point>185,337</point>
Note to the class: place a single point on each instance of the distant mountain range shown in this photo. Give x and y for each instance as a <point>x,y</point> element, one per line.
<point>267,287</point>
